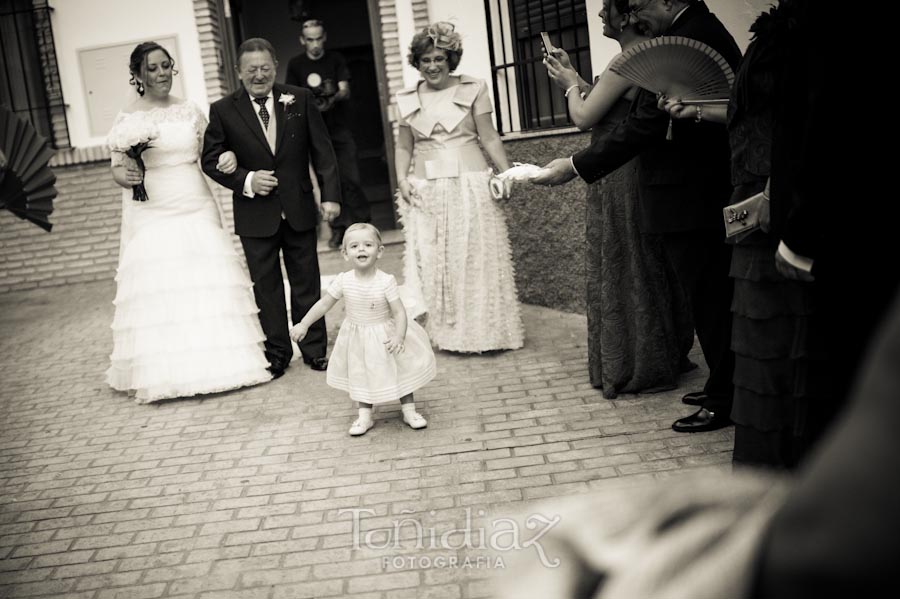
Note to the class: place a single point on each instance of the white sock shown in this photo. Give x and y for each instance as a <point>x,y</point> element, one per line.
<point>365,414</point>
<point>408,408</point>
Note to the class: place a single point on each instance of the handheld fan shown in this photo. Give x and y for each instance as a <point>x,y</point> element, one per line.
<point>677,67</point>
<point>26,182</point>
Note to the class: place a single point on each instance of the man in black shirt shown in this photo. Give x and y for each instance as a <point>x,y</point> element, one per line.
<point>327,76</point>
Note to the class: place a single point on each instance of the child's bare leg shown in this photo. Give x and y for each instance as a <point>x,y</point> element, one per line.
<point>410,416</point>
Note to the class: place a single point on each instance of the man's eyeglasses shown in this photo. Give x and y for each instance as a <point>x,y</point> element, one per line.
<point>634,9</point>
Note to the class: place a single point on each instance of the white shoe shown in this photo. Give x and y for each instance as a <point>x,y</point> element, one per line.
<point>414,420</point>
<point>361,426</point>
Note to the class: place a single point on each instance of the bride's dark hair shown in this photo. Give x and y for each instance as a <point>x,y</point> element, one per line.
<point>138,60</point>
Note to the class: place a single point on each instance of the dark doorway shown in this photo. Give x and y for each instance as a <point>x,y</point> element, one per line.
<point>349,32</point>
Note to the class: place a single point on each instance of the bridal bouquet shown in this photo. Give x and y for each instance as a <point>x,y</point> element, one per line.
<point>132,137</point>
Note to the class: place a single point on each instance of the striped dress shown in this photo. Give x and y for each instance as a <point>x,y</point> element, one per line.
<point>359,362</point>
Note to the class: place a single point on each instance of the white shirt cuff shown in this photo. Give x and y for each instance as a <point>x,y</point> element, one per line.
<point>248,185</point>
<point>796,260</point>
<point>572,164</point>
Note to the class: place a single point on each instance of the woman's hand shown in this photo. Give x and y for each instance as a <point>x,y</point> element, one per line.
<point>394,345</point>
<point>127,174</point>
<point>227,162</point>
<point>298,332</point>
<point>561,57</point>
<point>563,76</point>
<point>675,108</point>
<point>409,193</point>
<point>133,174</point>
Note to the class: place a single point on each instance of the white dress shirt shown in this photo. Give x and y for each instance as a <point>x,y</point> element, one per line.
<point>270,107</point>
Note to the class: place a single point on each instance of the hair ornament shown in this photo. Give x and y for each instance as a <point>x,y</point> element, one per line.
<point>444,36</point>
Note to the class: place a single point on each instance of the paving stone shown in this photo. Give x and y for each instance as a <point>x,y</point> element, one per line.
<point>244,494</point>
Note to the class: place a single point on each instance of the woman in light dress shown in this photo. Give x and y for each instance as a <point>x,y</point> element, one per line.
<point>185,319</point>
<point>457,258</point>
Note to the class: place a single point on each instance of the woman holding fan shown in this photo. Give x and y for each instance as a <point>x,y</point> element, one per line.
<point>639,328</point>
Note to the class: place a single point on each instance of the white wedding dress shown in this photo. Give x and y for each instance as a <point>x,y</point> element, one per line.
<point>185,318</point>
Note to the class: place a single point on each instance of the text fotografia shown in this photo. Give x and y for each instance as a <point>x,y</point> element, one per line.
<point>500,535</point>
<point>425,562</point>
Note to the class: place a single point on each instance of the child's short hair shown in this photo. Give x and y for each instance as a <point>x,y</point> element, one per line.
<point>362,227</point>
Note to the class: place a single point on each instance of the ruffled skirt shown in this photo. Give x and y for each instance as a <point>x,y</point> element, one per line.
<point>185,319</point>
<point>458,260</point>
<point>782,397</point>
<point>361,366</point>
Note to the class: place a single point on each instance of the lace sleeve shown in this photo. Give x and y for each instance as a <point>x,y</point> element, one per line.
<point>200,123</point>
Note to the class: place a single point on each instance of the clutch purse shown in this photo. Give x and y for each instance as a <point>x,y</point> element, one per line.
<point>501,188</point>
<point>742,218</point>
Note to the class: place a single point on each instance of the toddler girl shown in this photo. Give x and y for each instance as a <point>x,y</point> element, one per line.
<point>380,355</point>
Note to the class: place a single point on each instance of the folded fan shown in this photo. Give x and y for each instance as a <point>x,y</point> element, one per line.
<point>678,67</point>
<point>26,182</point>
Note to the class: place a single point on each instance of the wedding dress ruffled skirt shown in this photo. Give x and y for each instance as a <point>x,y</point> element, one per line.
<point>185,319</point>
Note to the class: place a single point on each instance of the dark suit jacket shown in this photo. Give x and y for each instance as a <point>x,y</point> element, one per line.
<point>301,135</point>
<point>683,182</point>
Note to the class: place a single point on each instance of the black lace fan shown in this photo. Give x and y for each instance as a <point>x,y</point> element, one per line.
<point>678,67</point>
<point>26,182</point>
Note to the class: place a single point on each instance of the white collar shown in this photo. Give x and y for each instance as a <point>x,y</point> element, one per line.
<point>680,12</point>
<point>253,98</point>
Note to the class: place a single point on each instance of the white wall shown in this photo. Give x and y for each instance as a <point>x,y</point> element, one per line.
<point>406,29</point>
<point>471,24</point>
<point>79,24</point>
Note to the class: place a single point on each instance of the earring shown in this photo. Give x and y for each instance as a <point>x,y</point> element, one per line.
<point>140,88</point>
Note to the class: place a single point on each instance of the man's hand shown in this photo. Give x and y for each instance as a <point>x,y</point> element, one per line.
<point>324,103</point>
<point>789,271</point>
<point>263,182</point>
<point>227,162</point>
<point>556,173</point>
<point>330,211</point>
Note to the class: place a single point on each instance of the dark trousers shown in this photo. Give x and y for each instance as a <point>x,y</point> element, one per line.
<point>701,261</point>
<point>302,265</point>
<point>355,206</point>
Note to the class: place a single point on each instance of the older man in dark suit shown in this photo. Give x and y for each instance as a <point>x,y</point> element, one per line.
<point>274,131</point>
<point>683,185</point>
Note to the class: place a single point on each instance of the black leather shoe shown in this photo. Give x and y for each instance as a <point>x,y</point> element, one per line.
<point>695,398</point>
<point>701,421</point>
<point>316,363</point>
<point>277,369</point>
<point>337,237</point>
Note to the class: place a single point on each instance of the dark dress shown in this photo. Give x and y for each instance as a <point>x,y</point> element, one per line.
<point>781,383</point>
<point>639,328</point>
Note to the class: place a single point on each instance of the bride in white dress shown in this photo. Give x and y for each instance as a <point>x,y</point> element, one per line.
<point>185,318</point>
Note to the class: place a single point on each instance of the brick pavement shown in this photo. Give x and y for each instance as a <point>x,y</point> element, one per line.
<point>239,495</point>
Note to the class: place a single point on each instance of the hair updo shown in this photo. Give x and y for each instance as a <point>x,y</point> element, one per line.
<point>137,64</point>
<point>437,35</point>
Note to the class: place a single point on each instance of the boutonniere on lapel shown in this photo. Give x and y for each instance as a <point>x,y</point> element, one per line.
<point>286,100</point>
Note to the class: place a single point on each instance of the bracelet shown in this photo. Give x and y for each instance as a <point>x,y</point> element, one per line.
<point>570,88</point>
<point>699,116</point>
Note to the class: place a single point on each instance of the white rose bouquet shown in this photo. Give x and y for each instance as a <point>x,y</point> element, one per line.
<point>132,137</point>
